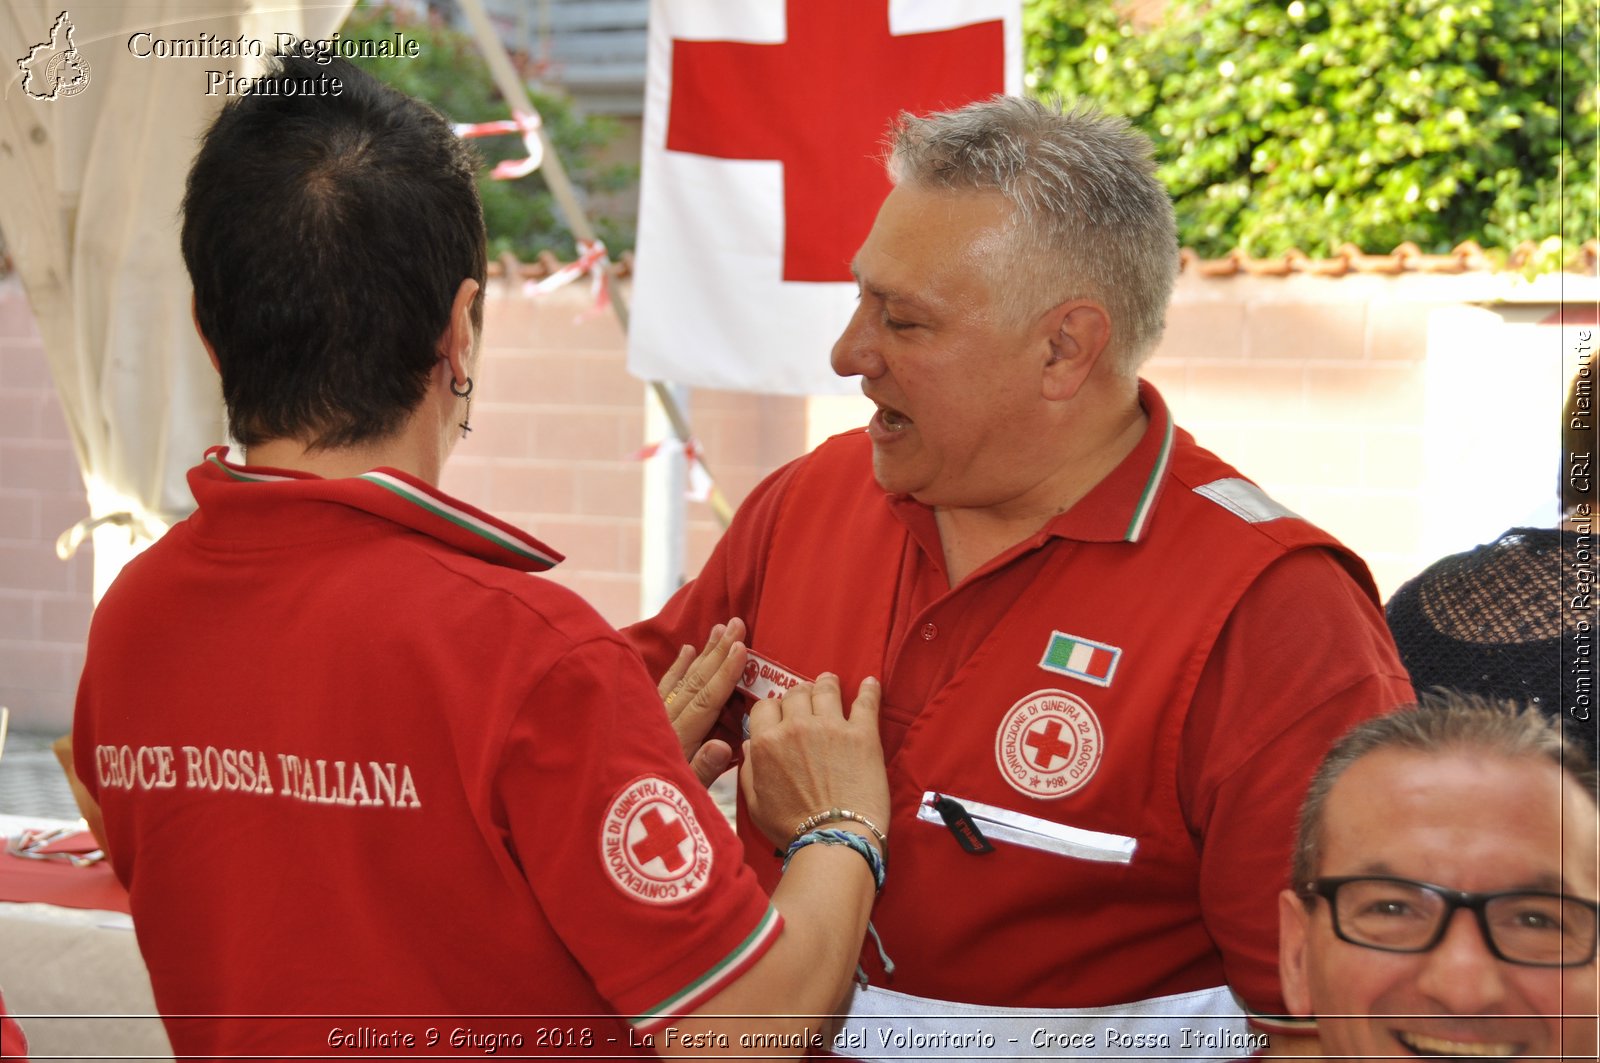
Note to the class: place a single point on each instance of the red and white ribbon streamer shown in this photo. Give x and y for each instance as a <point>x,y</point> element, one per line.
<point>592,259</point>
<point>525,125</point>
<point>699,486</point>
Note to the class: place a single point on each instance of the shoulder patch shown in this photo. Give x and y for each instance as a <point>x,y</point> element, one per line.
<point>1244,500</point>
<point>653,848</point>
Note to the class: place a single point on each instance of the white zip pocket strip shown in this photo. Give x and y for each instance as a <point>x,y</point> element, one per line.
<point>1002,824</point>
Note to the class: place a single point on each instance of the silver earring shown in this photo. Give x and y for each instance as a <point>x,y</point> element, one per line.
<point>464,393</point>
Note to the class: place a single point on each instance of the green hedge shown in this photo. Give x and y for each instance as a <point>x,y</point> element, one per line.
<point>1314,123</point>
<point>451,74</point>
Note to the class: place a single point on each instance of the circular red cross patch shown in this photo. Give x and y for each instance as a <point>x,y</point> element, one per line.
<point>652,846</point>
<point>1049,744</point>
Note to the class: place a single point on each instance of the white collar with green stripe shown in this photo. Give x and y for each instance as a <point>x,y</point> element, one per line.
<point>407,501</point>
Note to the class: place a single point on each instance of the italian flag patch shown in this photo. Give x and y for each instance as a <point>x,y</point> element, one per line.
<point>1081,658</point>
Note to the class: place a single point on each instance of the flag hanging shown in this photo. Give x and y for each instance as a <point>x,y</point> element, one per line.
<point>762,170</point>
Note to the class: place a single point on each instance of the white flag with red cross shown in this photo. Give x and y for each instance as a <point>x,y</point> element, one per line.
<point>762,170</point>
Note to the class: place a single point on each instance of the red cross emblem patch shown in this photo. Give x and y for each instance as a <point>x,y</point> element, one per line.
<point>651,844</point>
<point>1049,744</point>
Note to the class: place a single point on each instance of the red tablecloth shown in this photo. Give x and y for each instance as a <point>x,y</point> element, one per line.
<point>58,882</point>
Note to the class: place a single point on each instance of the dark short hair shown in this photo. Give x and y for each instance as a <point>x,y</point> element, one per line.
<point>326,236</point>
<point>1443,721</point>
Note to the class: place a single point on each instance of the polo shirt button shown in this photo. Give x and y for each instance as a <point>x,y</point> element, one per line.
<point>929,632</point>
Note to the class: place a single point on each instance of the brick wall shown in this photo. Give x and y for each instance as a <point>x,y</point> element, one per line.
<point>1410,415</point>
<point>44,602</point>
<point>1397,412</point>
<point>557,422</point>
<point>1314,389</point>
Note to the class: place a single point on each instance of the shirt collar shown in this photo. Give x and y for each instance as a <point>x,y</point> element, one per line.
<point>1119,507</point>
<point>402,498</point>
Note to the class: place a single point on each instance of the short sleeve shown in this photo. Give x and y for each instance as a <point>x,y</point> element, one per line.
<point>629,858</point>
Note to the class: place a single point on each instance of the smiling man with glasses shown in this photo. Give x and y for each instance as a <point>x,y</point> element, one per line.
<point>1445,897</point>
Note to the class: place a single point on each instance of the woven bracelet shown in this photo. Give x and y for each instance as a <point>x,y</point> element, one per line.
<point>874,859</point>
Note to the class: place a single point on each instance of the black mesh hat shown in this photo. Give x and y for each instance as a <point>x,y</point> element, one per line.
<point>1493,621</point>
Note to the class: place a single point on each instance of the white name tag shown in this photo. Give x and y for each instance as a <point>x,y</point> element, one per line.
<point>766,679</point>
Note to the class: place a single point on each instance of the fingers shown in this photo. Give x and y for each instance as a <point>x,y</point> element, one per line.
<point>710,675</point>
<point>864,710</point>
<point>826,699</point>
<point>674,675</point>
<point>693,676</point>
<point>711,760</point>
<point>804,754</point>
<point>716,684</point>
<point>766,714</point>
<point>747,778</point>
<point>697,686</point>
<point>803,699</point>
<point>698,701</point>
<point>796,701</point>
<point>823,698</point>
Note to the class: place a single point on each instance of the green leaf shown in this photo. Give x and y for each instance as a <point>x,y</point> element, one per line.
<point>1312,123</point>
<point>450,74</point>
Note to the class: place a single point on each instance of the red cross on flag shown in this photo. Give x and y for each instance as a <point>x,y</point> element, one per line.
<point>762,170</point>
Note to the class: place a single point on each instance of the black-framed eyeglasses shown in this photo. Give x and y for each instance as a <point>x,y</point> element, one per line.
<point>1536,928</point>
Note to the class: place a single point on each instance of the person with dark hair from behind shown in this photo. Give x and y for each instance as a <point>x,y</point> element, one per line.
<point>1509,619</point>
<point>1445,885</point>
<point>355,762</point>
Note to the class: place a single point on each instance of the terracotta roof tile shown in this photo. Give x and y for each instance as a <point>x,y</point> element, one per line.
<point>1467,257</point>
<point>508,265</point>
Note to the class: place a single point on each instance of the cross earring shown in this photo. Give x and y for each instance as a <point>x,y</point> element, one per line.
<point>464,393</point>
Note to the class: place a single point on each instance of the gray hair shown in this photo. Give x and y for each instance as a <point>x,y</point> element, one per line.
<point>1443,721</point>
<point>1089,217</point>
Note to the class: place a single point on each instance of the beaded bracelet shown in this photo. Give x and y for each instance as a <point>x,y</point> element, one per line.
<point>831,814</point>
<point>874,859</point>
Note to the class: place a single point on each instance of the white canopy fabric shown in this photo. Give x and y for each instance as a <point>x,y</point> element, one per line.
<point>90,186</point>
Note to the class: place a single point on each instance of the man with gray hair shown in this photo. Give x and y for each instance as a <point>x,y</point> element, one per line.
<point>1109,660</point>
<point>1445,886</point>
